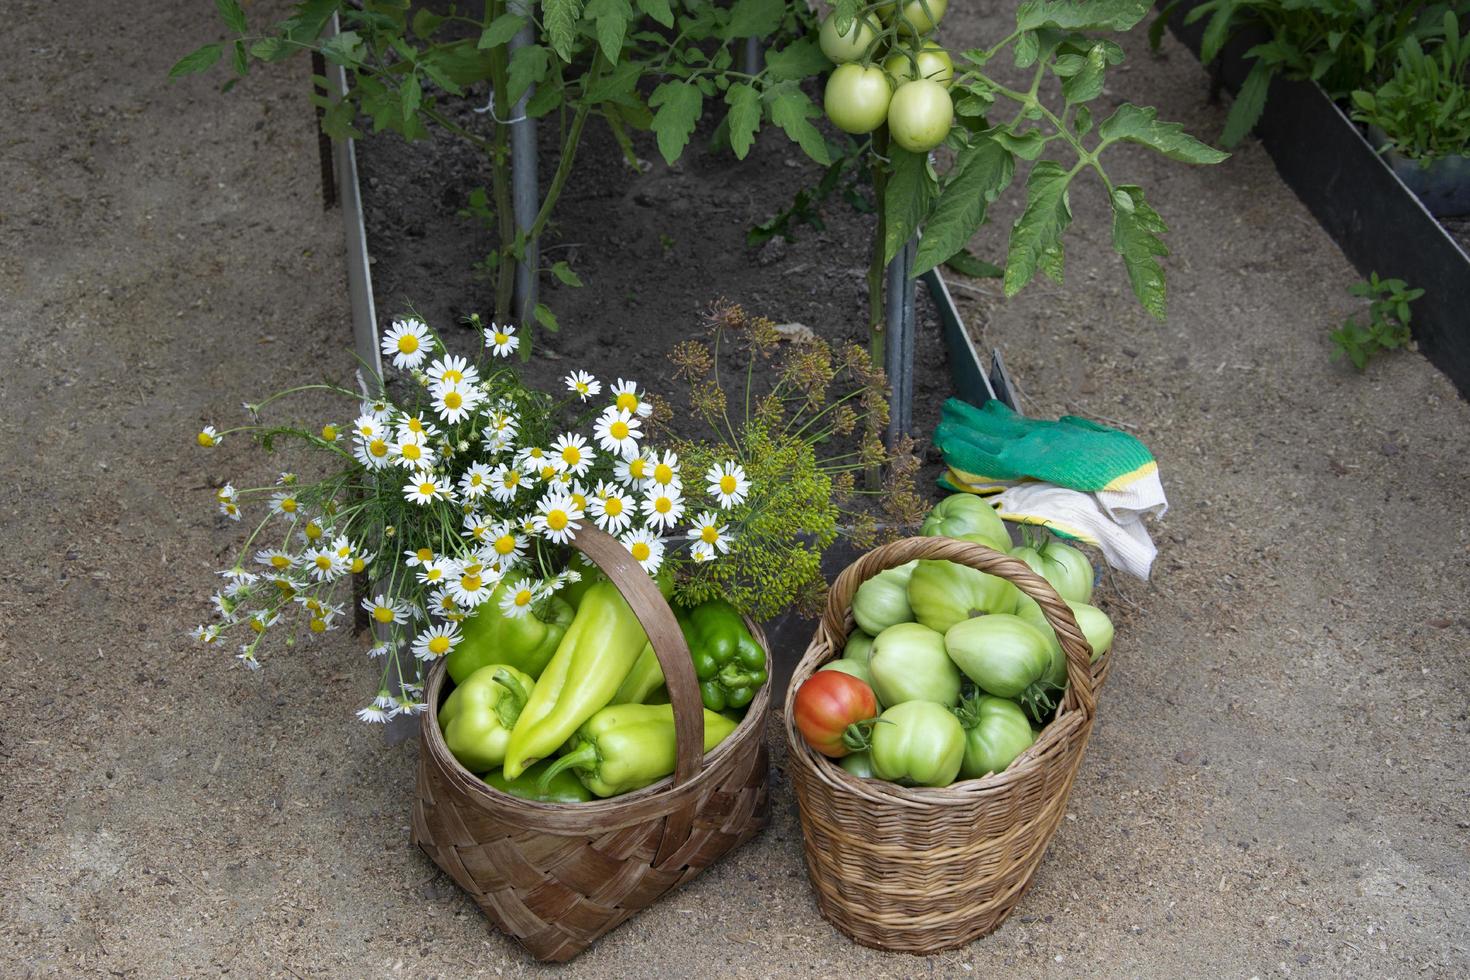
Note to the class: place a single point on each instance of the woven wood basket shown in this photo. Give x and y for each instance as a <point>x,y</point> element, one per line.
<point>922,870</point>
<point>555,877</point>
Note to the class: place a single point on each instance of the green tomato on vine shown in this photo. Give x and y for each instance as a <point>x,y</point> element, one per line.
<point>857,97</point>
<point>931,61</point>
<point>920,115</point>
<point>852,46</point>
<point>913,18</point>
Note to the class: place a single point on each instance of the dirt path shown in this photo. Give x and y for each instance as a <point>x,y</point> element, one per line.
<point>1277,782</point>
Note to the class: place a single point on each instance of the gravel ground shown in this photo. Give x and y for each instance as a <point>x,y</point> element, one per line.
<point>1276,782</point>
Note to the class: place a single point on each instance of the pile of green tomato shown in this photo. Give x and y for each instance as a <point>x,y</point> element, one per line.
<point>951,672</point>
<point>909,91</point>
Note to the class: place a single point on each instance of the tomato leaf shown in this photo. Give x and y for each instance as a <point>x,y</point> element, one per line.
<point>528,65</point>
<point>565,275</point>
<point>658,10</point>
<point>617,85</point>
<point>501,30</point>
<point>981,172</point>
<point>345,49</point>
<point>966,264</point>
<point>744,118</point>
<point>1087,83</point>
<point>906,199</point>
<point>1074,15</point>
<point>1027,145</point>
<point>793,112</point>
<point>795,61</point>
<point>1249,103</point>
<point>546,318</point>
<point>844,12</point>
<point>612,18</point>
<point>1136,230</point>
<point>426,22</point>
<point>560,20</point>
<point>1037,234</point>
<point>198,60</point>
<point>1135,124</point>
<point>679,106</point>
<point>754,18</point>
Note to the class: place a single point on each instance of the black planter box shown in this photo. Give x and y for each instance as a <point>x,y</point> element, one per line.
<point>1377,222</point>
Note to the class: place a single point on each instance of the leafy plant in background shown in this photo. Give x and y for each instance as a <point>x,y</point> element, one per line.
<point>1342,45</point>
<point>640,65</point>
<point>1387,327</point>
<point>1424,109</point>
<point>901,96</point>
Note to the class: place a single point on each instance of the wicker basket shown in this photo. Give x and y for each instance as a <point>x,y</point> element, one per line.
<point>555,877</point>
<point>922,870</point>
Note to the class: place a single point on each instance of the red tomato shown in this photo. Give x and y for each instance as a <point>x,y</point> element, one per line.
<point>827,705</point>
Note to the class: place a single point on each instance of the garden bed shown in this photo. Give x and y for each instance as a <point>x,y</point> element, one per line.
<point>1356,197</point>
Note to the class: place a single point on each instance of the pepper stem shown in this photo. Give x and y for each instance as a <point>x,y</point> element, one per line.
<point>513,701</point>
<point>585,756</point>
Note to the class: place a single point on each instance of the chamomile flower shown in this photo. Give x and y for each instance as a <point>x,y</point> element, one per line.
<point>662,507</point>
<point>575,489</point>
<point>228,499</point>
<point>470,583</point>
<point>455,401</point>
<point>414,557</point>
<point>413,450</point>
<point>285,503</point>
<point>425,488</point>
<point>728,484</point>
<point>209,437</point>
<point>708,531</point>
<point>373,714</point>
<point>519,598</point>
<point>432,573</point>
<point>561,580</point>
<point>206,634</point>
<point>583,384</point>
<point>575,455</point>
<point>617,432</point>
<point>474,483</point>
<point>330,433</point>
<point>275,558</point>
<point>505,482</point>
<point>476,526</point>
<point>612,508</point>
<point>507,544</point>
<point>417,425</point>
<point>238,577</point>
<point>456,370</point>
<point>325,564</point>
<point>442,604</point>
<point>645,547</point>
<point>369,426</point>
<point>246,656</point>
<point>663,472</point>
<point>532,458</point>
<point>407,342</point>
<point>557,515</point>
<point>262,620</point>
<point>436,641</point>
<point>628,399</point>
<point>502,341</point>
<point>375,452</point>
<point>701,552</point>
<point>386,609</point>
<point>631,472</point>
<point>311,532</point>
<point>499,432</point>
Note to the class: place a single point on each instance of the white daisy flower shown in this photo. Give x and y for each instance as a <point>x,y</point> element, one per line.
<point>663,507</point>
<point>379,650</point>
<point>575,489</point>
<point>425,488</point>
<point>476,526</point>
<point>474,483</point>
<point>646,547</point>
<point>631,472</point>
<point>583,384</point>
<point>708,531</point>
<point>452,369</point>
<point>311,532</point>
<point>441,603</point>
<point>436,641</point>
<point>612,508</point>
<point>417,425</point>
<point>374,453</point>
<point>330,433</point>
<point>275,558</point>
<point>415,557</point>
<point>263,619</point>
<point>385,609</point>
<point>413,450</point>
<point>407,342</point>
<point>701,552</point>
<point>227,494</point>
<point>502,341</point>
<point>532,458</point>
<point>432,573</point>
<point>237,576</point>
<point>519,598</point>
<point>557,516</point>
<point>372,714</point>
<point>470,583</point>
<point>728,484</point>
<point>285,504</point>
<point>206,634</point>
<point>369,426</point>
<point>507,545</point>
<point>664,472</point>
<point>618,432</point>
<point>505,482</point>
<point>629,400</point>
<point>246,656</point>
<point>454,401</point>
<point>209,437</point>
<point>324,564</point>
<point>572,450</point>
<point>380,407</point>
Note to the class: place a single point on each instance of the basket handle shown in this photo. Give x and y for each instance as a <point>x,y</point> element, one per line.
<point>981,558</point>
<point>657,619</point>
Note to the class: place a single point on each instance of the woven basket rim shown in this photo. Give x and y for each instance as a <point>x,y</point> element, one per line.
<point>565,818</point>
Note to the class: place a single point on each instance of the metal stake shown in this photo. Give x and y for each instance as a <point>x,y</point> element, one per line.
<point>898,298</point>
<point>525,196</point>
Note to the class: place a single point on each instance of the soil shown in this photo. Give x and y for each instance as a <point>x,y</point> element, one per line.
<point>1276,782</point>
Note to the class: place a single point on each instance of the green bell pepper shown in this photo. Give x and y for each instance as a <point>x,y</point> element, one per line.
<point>478,715</point>
<point>643,680</point>
<point>730,664</point>
<point>525,642</point>
<point>596,654</point>
<point>628,746</point>
<point>564,787</point>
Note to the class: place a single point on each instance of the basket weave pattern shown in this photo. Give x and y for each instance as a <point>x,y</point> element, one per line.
<point>555,877</point>
<point>922,870</point>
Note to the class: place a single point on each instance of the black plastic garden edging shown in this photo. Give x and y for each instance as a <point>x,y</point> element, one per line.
<point>1377,222</point>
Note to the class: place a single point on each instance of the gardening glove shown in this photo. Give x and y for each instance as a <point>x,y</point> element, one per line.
<point>990,448</point>
<point>1072,514</point>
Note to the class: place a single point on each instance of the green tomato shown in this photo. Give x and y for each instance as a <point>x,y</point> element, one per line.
<point>1095,625</point>
<point>966,516</point>
<point>857,98</point>
<point>853,45</point>
<point>933,63</point>
<point>920,115</point>
<point>883,600</point>
<point>1005,655</point>
<point>909,663</point>
<point>860,764</point>
<point>918,743</point>
<point>857,668</point>
<point>942,593</point>
<point>1066,568</point>
<point>859,645</point>
<point>996,731</point>
<point>914,19</point>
